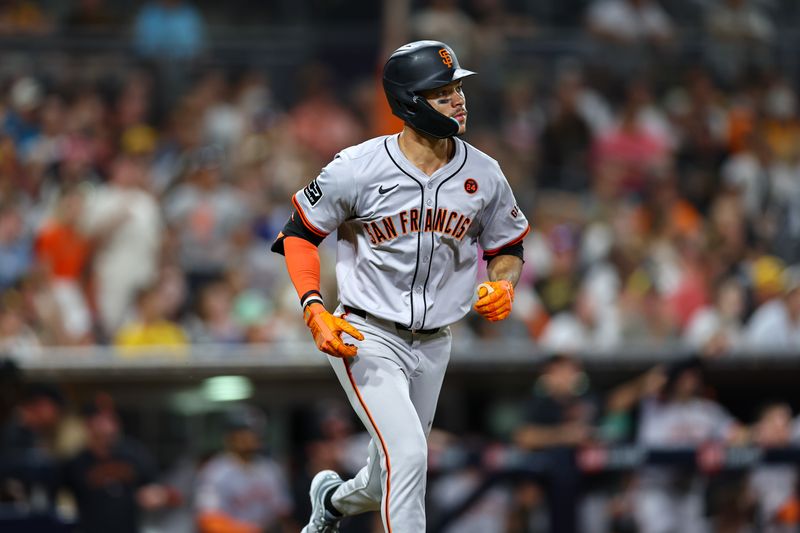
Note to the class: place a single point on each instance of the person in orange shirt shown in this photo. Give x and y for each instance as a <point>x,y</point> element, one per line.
<point>63,251</point>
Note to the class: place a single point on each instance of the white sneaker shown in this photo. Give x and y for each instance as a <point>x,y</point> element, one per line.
<point>322,521</point>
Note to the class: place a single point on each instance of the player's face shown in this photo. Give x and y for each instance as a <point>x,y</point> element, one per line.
<point>450,101</point>
<point>774,428</point>
<point>689,384</point>
<point>246,443</point>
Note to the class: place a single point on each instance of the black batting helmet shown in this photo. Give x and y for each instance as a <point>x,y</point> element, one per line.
<point>416,67</point>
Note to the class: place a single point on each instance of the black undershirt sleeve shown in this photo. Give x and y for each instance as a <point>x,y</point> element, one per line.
<point>294,228</point>
<point>514,249</point>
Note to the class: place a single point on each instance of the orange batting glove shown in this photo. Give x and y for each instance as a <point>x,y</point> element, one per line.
<point>327,331</point>
<point>494,299</point>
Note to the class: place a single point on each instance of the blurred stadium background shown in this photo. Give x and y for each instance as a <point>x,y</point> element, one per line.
<point>646,381</point>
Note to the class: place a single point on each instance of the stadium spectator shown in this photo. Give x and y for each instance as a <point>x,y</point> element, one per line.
<point>131,111</point>
<point>205,212</point>
<point>592,106</point>
<point>718,328</point>
<point>215,321</point>
<point>150,329</point>
<point>634,151</point>
<point>520,123</point>
<point>564,415</point>
<point>444,20</point>
<point>37,304</point>
<point>726,236</point>
<point>629,21</point>
<point>776,324</point>
<point>172,287</point>
<point>239,490</point>
<point>680,416</point>
<point>779,225</point>
<point>622,402</point>
<point>63,252</point>
<point>683,278</point>
<point>566,139</point>
<point>774,487</point>
<point>224,121</point>
<point>47,148</point>
<point>250,308</point>
<point>670,216</point>
<point>28,448</point>
<point>748,173</point>
<point>626,30</point>
<point>18,338</point>
<point>169,29</point>
<point>16,246</point>
<point>76,157</point>
<point>585,325</point>
<point>698,124</point>
<point>181,138</point>
<point>113,479</point>
<point>741,35</point>
<point>557,261</point>
<point>497,24</point>
<point>558,418</point>
<point>125,224</point>
<point>780,124</point>
<point>319,122</point>
<point>20,120</point>
<point>767,278</point>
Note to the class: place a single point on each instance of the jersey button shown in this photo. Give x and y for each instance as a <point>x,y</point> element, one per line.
<point>425,259</point>
<point>429,202</point>
<point>416,324</point>
<point>430,185</point>
<point>419,290</point>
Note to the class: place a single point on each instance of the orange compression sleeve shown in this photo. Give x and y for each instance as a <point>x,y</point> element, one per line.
<point>302,262</point>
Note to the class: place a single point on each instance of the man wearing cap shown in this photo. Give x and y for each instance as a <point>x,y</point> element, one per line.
<point>240,491</point>
<point>28,462</point>
<point>112,478</point>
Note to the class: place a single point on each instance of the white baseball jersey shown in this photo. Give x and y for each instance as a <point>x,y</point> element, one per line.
<point>255,493</point>
<point>408,242</point>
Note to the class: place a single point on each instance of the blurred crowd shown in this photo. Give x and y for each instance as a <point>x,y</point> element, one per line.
<point>61,466</point>
<point>663,189</point>
<point>549,466</point>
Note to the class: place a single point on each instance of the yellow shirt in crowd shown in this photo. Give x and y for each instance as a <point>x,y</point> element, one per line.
<point>163,336</point>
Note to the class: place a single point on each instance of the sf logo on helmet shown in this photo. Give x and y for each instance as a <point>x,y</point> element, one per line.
<point>447,59</point>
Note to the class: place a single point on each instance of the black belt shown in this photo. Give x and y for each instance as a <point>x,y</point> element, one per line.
<point>398,325</point>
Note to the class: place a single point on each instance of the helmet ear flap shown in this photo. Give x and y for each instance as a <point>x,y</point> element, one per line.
<point>409,104</point>
<point>418,103</point>
<point>427,120</point>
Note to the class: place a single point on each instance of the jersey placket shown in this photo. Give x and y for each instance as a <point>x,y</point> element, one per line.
<point>424,258</point>
<point>425,249</point>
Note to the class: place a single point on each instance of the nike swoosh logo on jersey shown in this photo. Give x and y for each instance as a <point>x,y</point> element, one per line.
<point>384,191</point>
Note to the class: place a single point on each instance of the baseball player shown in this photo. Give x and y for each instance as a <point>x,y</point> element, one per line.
<point>410,211</point>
